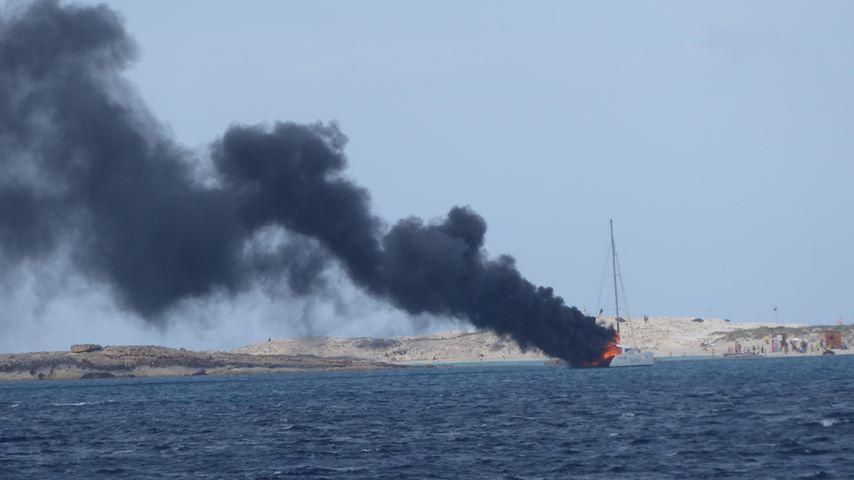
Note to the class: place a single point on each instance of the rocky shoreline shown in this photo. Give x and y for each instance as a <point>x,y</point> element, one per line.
<point>94,361</point>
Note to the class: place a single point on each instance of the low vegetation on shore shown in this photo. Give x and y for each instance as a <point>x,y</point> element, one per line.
<point>94,361</point>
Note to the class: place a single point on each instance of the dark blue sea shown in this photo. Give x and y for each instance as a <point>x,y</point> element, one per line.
<point>765,418</point>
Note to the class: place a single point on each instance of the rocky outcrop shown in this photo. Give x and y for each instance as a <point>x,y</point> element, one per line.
<point>85,348</point>
<point>92,375</point>
<point>148,361</point>
<point>447,346</point>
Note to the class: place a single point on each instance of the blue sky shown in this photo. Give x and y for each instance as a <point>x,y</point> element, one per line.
<point>717,135</point>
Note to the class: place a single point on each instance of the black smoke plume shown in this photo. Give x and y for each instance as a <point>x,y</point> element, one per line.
<point>88,171</point>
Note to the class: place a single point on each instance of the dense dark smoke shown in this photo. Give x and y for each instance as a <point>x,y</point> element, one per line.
<point>88,171</point>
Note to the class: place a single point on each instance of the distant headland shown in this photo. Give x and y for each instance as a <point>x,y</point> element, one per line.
<point>93,361</point>
<point>665,336</point>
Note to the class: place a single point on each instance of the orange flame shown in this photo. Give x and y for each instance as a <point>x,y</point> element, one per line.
<point>612,349</point>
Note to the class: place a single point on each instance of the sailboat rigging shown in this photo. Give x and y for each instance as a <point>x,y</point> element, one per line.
<point>627,356</point>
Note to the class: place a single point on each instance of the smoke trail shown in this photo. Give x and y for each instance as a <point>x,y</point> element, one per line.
<point>87,167</point>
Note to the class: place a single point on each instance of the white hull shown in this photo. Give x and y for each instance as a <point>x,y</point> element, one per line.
<point>632,358</point>
<point>628,356</point>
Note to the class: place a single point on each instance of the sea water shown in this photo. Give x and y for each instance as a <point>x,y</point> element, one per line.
<point>762,418</point>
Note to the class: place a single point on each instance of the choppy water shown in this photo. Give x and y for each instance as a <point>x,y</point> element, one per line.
<point>698,419</point>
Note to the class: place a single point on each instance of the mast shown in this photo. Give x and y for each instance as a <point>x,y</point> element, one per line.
<point>614,270</point>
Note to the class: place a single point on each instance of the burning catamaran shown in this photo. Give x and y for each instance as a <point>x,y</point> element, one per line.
<point>616,354</point>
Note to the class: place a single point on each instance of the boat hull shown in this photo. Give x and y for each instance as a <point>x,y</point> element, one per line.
<point>632,359</point>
